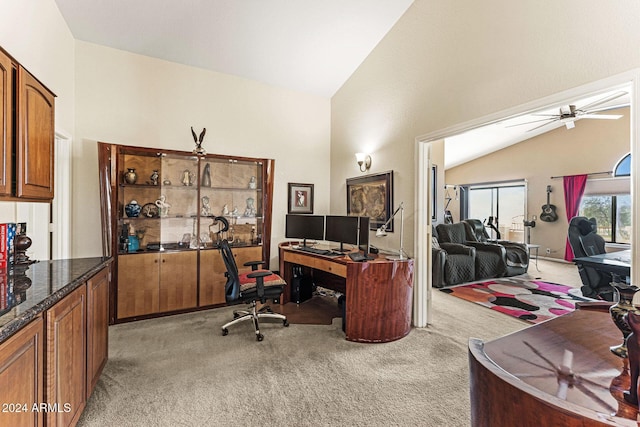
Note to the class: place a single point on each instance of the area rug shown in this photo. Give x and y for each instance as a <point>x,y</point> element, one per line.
<point>532,300</point>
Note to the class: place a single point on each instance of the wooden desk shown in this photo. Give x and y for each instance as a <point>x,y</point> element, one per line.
<point>378,293</point>
<point>512,384</point>
<point>611,262</point>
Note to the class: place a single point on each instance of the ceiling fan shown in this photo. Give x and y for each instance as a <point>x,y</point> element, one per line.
<point>568,114</point>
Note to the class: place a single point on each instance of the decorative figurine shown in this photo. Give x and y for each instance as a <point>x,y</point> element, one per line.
<point>186,178</point>
<point>234,212</point>
<point>206,209</point>
<point>154,177</point>
<point>206,176</point>
<point>225,210</point>
<point>166,181</point>
<point>163,206</point>
<point>253,184</point>
<point>198,140</point>
<point>250,211</point>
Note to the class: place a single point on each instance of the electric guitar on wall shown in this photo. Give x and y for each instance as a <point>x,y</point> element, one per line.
<point>548,211</point>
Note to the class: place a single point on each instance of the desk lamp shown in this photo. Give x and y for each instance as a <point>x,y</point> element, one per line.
<point>382,231</point>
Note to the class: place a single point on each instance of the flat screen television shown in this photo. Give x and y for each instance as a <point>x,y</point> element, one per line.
<point>342,229</point>
<point>304,227</point>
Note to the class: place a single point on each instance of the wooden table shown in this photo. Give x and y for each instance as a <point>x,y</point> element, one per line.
<point>379,292</point>
<point>514,380</point>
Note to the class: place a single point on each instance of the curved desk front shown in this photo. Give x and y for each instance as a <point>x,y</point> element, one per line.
<point>378,292</point>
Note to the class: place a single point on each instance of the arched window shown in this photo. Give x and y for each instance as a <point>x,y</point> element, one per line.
<point>623,167</point>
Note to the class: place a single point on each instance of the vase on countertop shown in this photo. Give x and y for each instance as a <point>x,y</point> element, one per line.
<point>130,176</point>
<point>624,305</point>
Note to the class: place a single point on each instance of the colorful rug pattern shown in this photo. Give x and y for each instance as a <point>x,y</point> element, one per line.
<point>532,300</point>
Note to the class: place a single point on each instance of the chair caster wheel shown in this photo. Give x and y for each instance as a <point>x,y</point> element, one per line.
<point>285,322</point>
<point>225,331</point>
<point>259,337</point>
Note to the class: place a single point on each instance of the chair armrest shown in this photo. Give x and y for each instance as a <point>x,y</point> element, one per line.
<point>259,276</point>
<point>489,247</point>
<point>438,258</point>
<point>458,249</point>
<point>254,264</point>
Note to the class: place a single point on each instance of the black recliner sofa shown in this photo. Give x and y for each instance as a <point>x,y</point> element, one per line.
<point>452,263</point>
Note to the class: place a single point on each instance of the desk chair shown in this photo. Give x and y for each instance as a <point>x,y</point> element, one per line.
<point>586,242</point>
<point>257,285</point>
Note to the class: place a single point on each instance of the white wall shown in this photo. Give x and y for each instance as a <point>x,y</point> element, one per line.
<point>131,99</point>
<point>446,63</point>
<point>36,35</point>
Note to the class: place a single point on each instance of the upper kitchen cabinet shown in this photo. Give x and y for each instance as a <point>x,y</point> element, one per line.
<point>27,134</point>
<point>6,123</point>
<point>34,157</point>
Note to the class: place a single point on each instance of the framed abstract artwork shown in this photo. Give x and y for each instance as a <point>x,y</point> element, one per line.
<point>372,196</point>
<point>300,198</point>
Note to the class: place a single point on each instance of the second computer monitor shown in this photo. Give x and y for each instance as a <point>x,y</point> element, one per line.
<point>342,229</point>
<point>304,227</point>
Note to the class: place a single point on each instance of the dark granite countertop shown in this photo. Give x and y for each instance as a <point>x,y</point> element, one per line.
<point>26,293</point>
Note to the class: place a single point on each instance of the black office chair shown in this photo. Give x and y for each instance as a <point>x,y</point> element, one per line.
<point>585,241</point>
<point>257,285</point>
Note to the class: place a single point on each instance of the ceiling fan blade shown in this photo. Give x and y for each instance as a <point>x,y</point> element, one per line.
<point>601,116</point>
<point>528,123</point>
<point>602,101</point>
<point>544,124</point>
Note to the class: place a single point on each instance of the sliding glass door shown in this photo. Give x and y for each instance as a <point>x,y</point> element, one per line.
<point>505,203</point>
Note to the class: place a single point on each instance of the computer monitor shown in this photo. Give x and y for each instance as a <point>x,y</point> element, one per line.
<point>343,229</point>
<point>304,227</point>
<point>363,234</point>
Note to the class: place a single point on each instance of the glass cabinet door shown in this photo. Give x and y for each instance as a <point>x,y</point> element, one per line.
<point>159,203</point>
<point>235,192</point>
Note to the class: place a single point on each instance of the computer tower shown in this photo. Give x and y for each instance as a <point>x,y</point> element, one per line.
<point>301,286</point>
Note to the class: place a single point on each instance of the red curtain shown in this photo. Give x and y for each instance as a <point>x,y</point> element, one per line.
<point>573,191</point>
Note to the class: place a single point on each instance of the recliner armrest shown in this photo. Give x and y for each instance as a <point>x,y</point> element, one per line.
<point>489,247</point>
<point>458,249</point>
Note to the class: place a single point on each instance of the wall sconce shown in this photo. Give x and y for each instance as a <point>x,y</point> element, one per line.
<point>363,160</point>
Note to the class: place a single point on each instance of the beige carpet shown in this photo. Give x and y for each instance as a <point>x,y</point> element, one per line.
<point>180,371</point>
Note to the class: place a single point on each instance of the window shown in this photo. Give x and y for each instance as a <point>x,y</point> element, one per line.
<point>612,214</point>
<point>503,201</point>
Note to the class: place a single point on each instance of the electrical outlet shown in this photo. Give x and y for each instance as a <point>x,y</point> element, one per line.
<point>548,251</point>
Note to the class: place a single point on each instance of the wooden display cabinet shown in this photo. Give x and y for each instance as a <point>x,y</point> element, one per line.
<point>167,259</point>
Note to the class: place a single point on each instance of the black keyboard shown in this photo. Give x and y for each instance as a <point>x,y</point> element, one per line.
<point>358,257</point>
<point>314,250</point>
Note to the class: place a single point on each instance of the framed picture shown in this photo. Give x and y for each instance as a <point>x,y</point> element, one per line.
<point>434,191</point>
<point>300,198</point>
<point>372,196</point>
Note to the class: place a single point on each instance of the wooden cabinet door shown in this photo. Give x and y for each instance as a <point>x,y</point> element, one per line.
<point>6,123</point>
<point>66,357</point>
<point>97,327</point>
<point>212,269</point>
<point>178,280</point>
<point>212,278</point>
<point>138,284</point>
<point>35,138</point>
<point>21,376</point>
